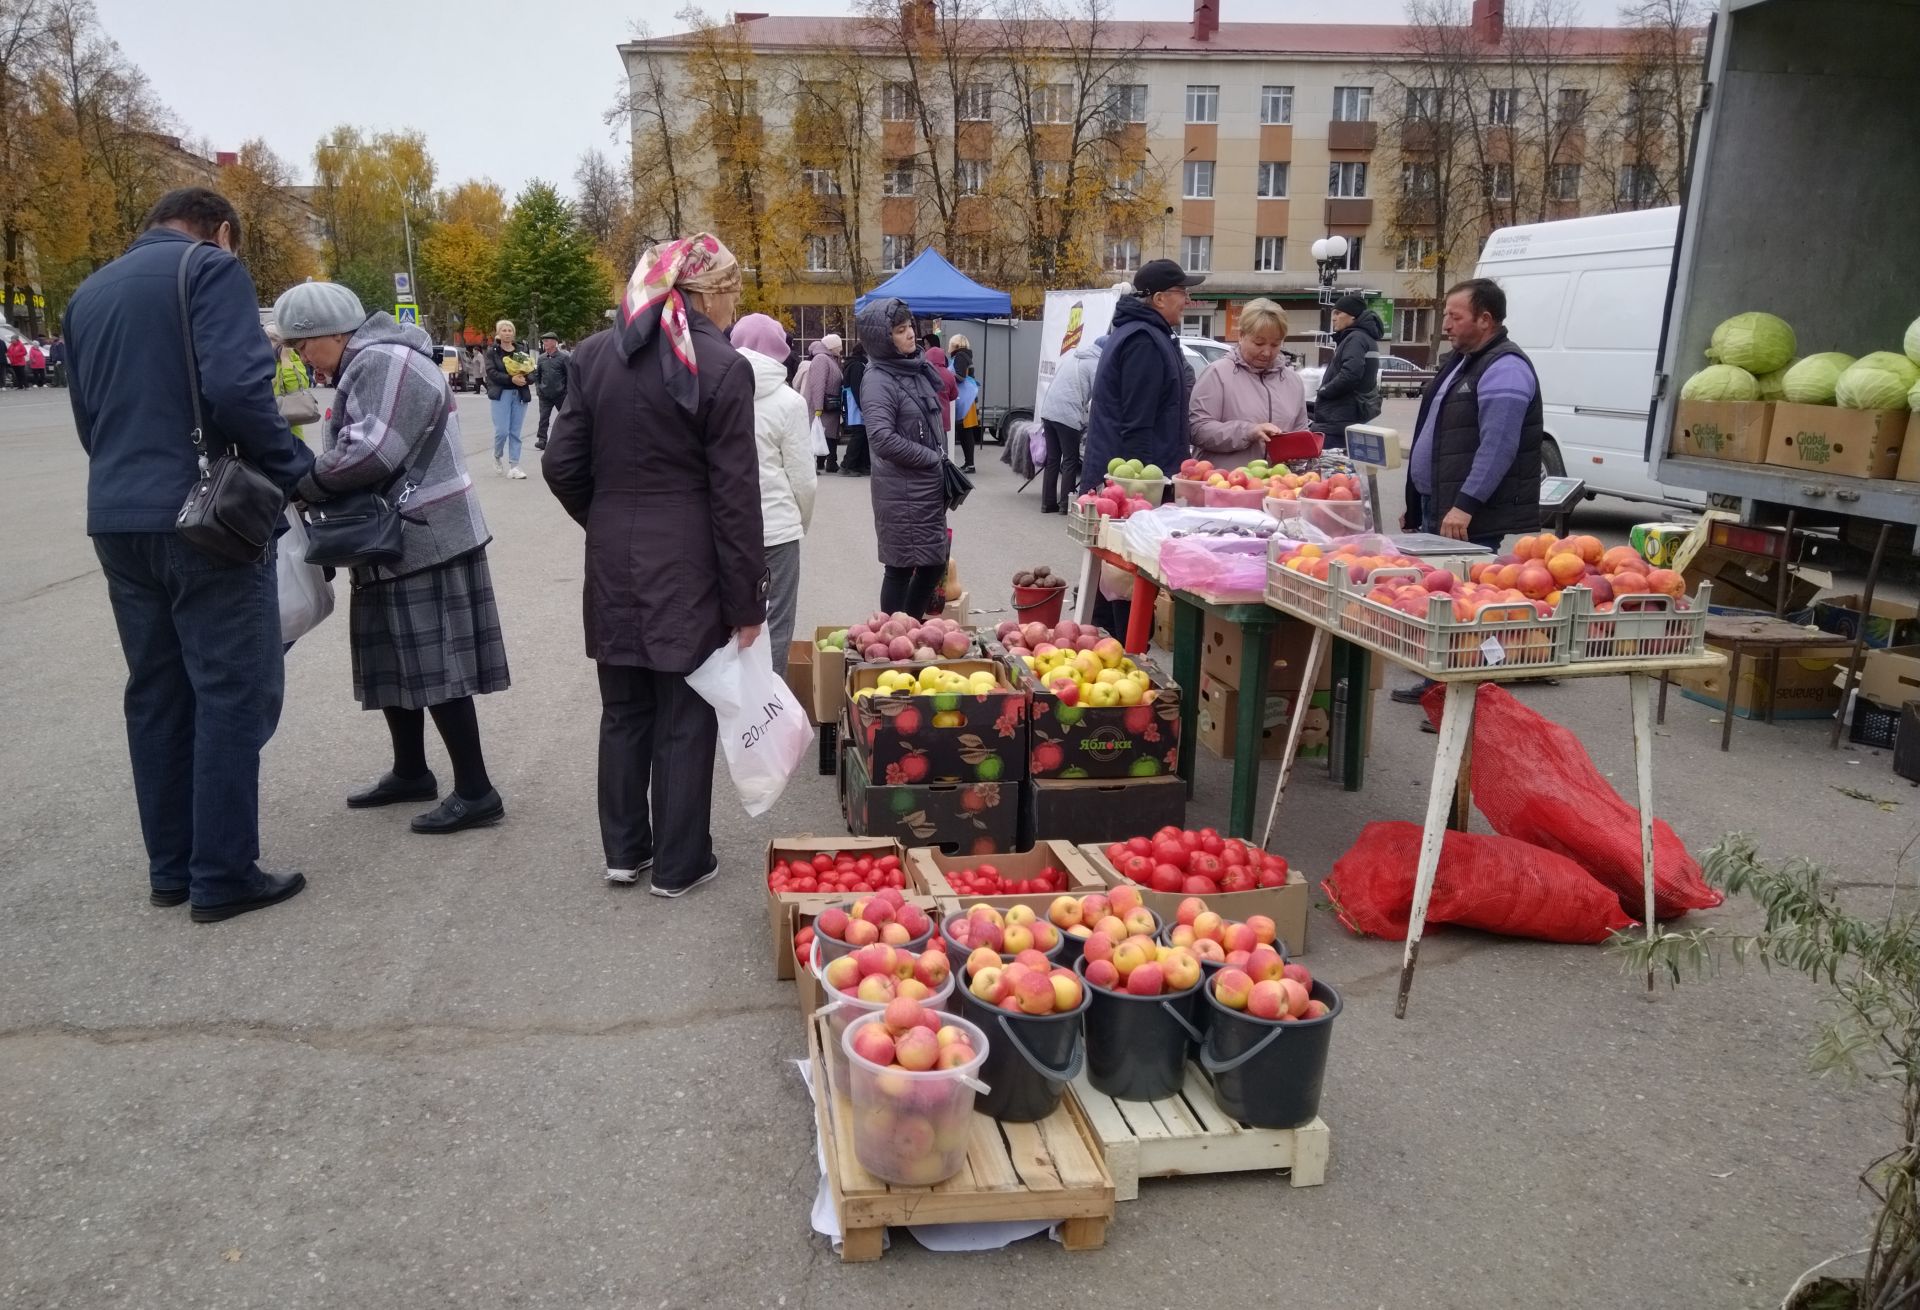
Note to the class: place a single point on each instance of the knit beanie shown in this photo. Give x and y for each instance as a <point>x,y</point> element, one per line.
<point>832,342</point>
<point>762,335</point>
<point>317,309</point>
<point>1351,305</point>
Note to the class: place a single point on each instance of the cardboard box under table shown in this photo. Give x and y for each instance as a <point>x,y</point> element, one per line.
<point>1892,623</point>
<point>1892,676</point>
<point>1286,906</point>
<point>787,909</point>
<point>937,737</point>
<point>931,868</point>
<point>956,816</point>
<point>1219,719</point>
<point>1096,809</point>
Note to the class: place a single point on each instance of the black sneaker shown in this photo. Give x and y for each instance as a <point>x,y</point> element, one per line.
<point>392,789</point>
<point>628,877</point>
<point>1409,695</point>
<point>274,888</point>
<point>456,813</point>
<point>659,889</point>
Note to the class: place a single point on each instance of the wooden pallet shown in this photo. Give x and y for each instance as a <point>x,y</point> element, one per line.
<point>1190,1134</point>
<point>1050,1170</point>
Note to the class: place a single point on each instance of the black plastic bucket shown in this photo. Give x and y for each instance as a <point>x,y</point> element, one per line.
<point>958,952</point>
<point>1137,1045</point>
<point>1070,949</point>
<point>1203,1014</point>
<point>1266,1073</point>
<point>1030,1057</point>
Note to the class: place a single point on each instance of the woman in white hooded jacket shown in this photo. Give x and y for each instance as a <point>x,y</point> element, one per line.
<point>787,477</point>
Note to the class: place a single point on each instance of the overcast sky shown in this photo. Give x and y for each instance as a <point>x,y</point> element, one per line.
<point>503,90</point>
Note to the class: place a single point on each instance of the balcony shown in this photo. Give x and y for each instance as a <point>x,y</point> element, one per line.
<point>1416,136</point>
<point>1352,136</point>
<point>1343,212</point>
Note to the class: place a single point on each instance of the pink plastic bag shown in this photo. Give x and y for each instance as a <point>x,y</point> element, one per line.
<point>1219,566</point>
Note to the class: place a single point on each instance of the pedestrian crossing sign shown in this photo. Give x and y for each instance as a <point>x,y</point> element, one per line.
<point>407,312</point>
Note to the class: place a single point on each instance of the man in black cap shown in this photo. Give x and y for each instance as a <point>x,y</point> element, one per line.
<point>550,380</point>
<point>1350,387</point>
<point>1139,407</point>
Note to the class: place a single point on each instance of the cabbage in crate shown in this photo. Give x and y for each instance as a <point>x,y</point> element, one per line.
<point>1878,381</point>
<point>1773,386</point>
<point>1756,342</point>
<point>1721,382</point>
<point>1811,381</point>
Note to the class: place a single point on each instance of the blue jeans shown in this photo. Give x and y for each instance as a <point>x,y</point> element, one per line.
<point>204,683</point>
<point>509,413</point>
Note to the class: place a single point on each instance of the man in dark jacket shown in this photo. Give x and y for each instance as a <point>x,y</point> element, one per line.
<point>1350,386</point>
<point>201,636</point>
<point>1140,388</point>
<point>550,380</point>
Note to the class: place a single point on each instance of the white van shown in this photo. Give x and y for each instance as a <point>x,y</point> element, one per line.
<point>1584,300</point>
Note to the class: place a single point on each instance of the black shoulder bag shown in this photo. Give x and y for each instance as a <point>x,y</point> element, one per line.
<point>234,509</point>
<point>362,529</point>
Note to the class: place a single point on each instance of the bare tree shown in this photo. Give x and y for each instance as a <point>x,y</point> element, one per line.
<point>661,177</point>
<point>603,194</point>
<point>1648,120</point>
<point>836,91</point>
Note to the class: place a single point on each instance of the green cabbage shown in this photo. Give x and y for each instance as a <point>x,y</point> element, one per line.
<point>1773,386</point>
<point>1912,342</point>
<point>1913,397</point>
<point>1721,382</point>
<point>1810,382</point>
<point>1878,381</point>
<point>1759,343</point>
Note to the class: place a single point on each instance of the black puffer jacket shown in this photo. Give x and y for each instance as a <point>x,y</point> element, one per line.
<point>1350,375</point>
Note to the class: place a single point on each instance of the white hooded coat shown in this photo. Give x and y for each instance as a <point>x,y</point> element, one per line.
<point>787,477</point>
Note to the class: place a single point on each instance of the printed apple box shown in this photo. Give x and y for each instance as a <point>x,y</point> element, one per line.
<point>1102,741</point>
<point>958,817</point>
<point>939,736</point>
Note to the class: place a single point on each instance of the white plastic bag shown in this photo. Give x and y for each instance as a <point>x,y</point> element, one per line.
<point>306,597</point>
<point>819,433</point>
<point>763,730</point>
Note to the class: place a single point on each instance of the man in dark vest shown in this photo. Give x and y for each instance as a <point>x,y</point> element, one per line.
<point>1474,471</point>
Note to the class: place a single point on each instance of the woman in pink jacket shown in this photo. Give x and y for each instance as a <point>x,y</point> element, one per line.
<point>1250,395</point>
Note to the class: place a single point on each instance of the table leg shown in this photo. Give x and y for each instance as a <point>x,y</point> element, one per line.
<point>1256,654</point>
<point>1661,716</point>
<point>1357,668</point>
<point>1456,729</point>
<point>1139,634</point>
<point>1295,724</point>
<point>1461,812</point>
<point>1089,591</point>
<point>1733,695</point>
<point>1189,625</point>
<point>1643,776</point>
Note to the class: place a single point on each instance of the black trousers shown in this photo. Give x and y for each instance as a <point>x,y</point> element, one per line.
<point>657,743</point>
<point>19,376</point>
<point>969,438</point>
<point>1061,473</point>
<point>855,458</point>
<point>909,589</point>
<point>547,407</point>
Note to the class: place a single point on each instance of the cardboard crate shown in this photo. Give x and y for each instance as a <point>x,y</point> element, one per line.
<point>1286,906</point>
<point>1891,676</point>
<point>1100,810</point>
<point>931,867</point>
<point>1892,622</point>
<point>1217,725</point>
<point>955,737</point>
<point>829,679</point>
<point>800,671</point>
<point>787,909</point>
<point>1729,430</point>
<point>1859,443</point>
<point>1163,619</point>
<point>1101,741</point>
<point>1806,688</point>
<point>1289,646</point>
<point>955,816</point>
<point>1909,467</point>
<point>1735,584</point>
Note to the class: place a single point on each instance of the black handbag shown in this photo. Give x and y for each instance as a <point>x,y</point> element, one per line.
<point>234,509</point>
<point>362,529</point>
<point>958,485</point>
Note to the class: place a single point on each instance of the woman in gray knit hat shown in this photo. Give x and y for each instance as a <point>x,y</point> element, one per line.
<point>425,631</point>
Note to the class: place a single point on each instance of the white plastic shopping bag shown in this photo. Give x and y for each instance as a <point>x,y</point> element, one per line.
<point>819,433</point>
<point>306,597</point>
<point>763,730</point>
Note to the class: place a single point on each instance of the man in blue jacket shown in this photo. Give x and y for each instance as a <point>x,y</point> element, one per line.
<point>1140,389</point>
<point>201,636</point>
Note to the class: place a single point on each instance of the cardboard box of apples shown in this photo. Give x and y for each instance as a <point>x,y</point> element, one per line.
<point>834,872</point>
<point>957,816</point>
<point>1198,856</point>
<point>1058,864</point>
<point>1095,712</point>
<point>961,720</point>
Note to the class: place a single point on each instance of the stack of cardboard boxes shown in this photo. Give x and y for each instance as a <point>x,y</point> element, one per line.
<point>1223,682</point>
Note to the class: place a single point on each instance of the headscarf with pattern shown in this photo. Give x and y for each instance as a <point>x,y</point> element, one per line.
<point>655,306</point>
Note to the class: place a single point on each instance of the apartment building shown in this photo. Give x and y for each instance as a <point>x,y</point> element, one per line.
<point>1231,147</point>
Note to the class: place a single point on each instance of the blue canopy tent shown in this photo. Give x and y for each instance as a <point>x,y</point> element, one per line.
<point>933,288</point>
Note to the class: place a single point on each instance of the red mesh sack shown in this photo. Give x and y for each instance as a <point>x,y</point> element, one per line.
<point>1535,782</point>
<point>1492,883</point>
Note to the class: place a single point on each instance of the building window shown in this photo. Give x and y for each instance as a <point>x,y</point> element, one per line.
<point>1127,103</point>
<point>1415,253</point>
<point>1269,253</point>
<point>1353,255</point>
<point>896,252</point>
<point>825,254</point>
<point>970,254</point>
<point>1639,184</point>
<point>1563,181</point>
<point>1276,105</point>
<point>897,180</point>
<point>1050,177</point>
<point>976,102</point>
<point>1203,104</point>
<point>970,176</point>
<point>1124,180</point>
<point>1498,183</point>
<point>1571,106</point>
<point>1414,326</point>
<point>1500,103</point>
<point>1053,103</point>
<point>1423,103</point>
<point>1196,254</point>
<point>896,102</point>
<point>1347,179</point>
<point>1416,181</point>
<point>1352,104</point>
<point>1196,177</point>
<point>1634,106</point>
<point>820,181</point>
<point>1196,325</point>
<point>1123,254</point>
<point>1272,182</point>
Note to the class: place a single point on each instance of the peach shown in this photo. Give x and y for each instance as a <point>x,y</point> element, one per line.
<point>916,1050</point>
<point>1018,938</point>
<point>986,982</point>
<point>861,933</point>
<point>1129,956</point>
<point>876,988</point>
<point>1098,947</point>
<point>1666,582</point>
<point>1617,558</point>
<point>873,1043</point>
<point>1586,547</point>
<point>1265,965</point>
<point>1267,1000</point>
<point>1297,997</point>
<point>1147,980</point>
<point>1263,928</point>
<point>1101,973</point>
<point>1064,912</point>
<point>901,1014</point>
<point>1067,991</point>
<point>1535,581</point>
<point>1034,992</point>
<point>1239,937</point>
<point>1189,910</point>
<point>842,973</point>
<point>1567,568</point>
<point>1021,914</point>
<point>1232,987</point>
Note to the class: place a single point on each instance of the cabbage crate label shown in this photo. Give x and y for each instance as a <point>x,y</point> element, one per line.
<point>1096,714</point>
<point>956,721</point>
<point>960,818</point>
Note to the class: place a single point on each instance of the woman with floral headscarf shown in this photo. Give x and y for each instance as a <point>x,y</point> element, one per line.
<point>655,455</point>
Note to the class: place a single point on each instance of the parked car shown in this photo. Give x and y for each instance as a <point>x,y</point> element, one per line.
<point>1206,348</point>
<point>1397,377</point>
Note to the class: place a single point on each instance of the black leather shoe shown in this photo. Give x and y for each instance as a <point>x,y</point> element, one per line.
<point>391,790</point>
<point>167,900</point>
<point>1409,695</point>
<point>456,813</point>
<point>275,887</point>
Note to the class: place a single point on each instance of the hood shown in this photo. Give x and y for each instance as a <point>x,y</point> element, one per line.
<point>876,331</point>
<point>1091,350</point>
<point>769,375</point>
<point>382,329</point>
<point>936,357</point>
<point>1134,309</point>
<point>820,348</point>
<point>1370,324</point>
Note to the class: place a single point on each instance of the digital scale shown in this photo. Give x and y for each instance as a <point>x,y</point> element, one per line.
<point>1558,496</point>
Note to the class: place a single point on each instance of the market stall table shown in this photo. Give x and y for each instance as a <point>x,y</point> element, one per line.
<point>1760,638</point>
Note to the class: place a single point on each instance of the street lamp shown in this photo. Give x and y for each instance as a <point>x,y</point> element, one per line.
<point>1329,256</point>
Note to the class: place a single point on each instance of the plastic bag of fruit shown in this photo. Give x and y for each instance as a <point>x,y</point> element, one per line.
<point>1495,884</point>
<point>1536,783</point>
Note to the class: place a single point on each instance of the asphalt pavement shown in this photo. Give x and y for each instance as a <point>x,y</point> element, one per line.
<point>463,1072</point>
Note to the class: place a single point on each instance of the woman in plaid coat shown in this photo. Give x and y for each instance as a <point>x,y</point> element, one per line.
<point>426,630</point>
